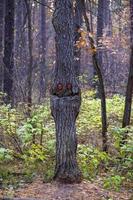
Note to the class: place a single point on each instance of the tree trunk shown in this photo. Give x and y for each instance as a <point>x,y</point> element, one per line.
<point>65,94</point>
<point>1,42</point>
<point>91,16</point>
<point>42,50</point>
<point>100,27</point>
<point>97,68</point>
<point>30,64</point>
<point>18,48</point>
<point>77,23</point>
<point>129,91</point>
<point>8,50</point>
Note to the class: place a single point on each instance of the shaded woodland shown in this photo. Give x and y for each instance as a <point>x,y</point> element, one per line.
<point>66,87</point>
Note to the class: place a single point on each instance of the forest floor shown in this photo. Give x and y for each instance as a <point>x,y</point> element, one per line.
<point>55,191</point>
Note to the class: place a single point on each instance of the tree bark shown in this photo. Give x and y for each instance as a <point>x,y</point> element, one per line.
<point>8,50</point>
<point>100,27</point>
<point>1,42</point>
<point>91,16</point>
<point>18,49</point>
<point>77,23</point>
<point>42,50</point>
<point>30,64</point>
<point>65,94</point>
<point>129,90</point>
<point>97,68</point>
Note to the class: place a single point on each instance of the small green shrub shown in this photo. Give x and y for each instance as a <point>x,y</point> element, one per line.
<point>90,160</point>
<point>5,155</point>
<point>113,182</point>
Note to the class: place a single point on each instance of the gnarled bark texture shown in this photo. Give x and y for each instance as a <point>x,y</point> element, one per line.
<point>65,94</point>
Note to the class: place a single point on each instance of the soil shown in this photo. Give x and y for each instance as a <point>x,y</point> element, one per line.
<point>56,191</point>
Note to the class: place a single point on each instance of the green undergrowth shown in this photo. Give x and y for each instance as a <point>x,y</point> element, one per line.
<point>27,145</point>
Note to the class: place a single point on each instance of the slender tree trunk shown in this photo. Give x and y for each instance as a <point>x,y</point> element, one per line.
<point>30,65</point>
<point>97,67</point>
<point>77,24</point>
<point>100,27</point>
<point>42,50</point>
<point>65,94</point>
<point>106,12</point>
<point>18,86</point>
<point>1,42</point>
<point>107,18</point>
<point>107,58</point>
<point>30,48</point>
<point>129,91</point>
<point>8,50</point>
<point>91,16</point>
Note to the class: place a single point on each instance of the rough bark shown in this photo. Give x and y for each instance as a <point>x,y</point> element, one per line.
<point>129,90</point>
<point>65,94</point>
<point>65,111</point>
<point>8,50</point>
<point>97,68</point>
<point>1,42</point>
<point>42,50</point>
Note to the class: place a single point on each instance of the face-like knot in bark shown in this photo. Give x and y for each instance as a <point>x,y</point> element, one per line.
<point>59,87</point>
<point>68,90</point>
<point>69,86</point>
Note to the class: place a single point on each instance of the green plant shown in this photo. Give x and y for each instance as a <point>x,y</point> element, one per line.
<point>90,160</point>
<point>5,155</point>
<point>113,182</point>
<point>40,126</point>
<point>17,150</point>
<point>122,161</point>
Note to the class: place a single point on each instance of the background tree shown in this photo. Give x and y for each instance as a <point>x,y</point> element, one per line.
<point>8,50</point>
<point>97,68</point>
<point>100,27</point>
<point>129,90</point>
<point>77,23</point>
<point>1,42</point>
<point>43,68</point>
<point>30,48</point>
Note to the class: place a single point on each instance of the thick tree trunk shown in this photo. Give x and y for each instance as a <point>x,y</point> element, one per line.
<point>8,50</point>
<point>129,91</point>
<point>1,42</point>
<point>65,94</point>
<point>65,111</point>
